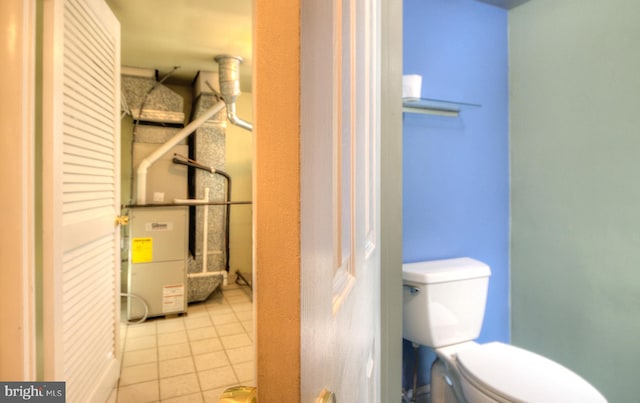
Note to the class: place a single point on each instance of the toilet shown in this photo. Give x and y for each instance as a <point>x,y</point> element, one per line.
<point>443,308</point>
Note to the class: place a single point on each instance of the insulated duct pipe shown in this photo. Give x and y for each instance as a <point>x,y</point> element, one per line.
<point>229,76</point>
<point>141,188</point>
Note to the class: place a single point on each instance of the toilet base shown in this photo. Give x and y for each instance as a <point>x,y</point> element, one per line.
<point>441,386</point>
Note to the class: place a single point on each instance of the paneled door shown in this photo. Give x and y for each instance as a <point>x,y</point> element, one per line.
<point>340,253</point>
<point>81,199</point>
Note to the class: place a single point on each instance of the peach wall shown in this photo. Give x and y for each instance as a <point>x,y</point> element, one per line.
<point>277,198</point>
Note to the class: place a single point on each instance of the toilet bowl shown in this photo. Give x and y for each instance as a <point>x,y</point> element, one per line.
<point>443,308</point>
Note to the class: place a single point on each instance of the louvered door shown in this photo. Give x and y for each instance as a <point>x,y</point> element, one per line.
<point>81,261</point>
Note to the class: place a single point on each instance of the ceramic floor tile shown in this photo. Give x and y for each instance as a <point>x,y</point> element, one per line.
<point>217,378</point>
<point>165,339</point>
<point>139,343</point>
<point>197,322</point>
<point>248,327</point>
<point>235,341</point>
<point>176,366</point>
<point>215,298</point>
<point>241,354</point>
<point>238,294</point>
<point>187,352</point>
<point>206,346</point>
<point>244,315</point>
<point>193,398</point>
<point>139,393</point>
<point>138,357</point>
<point>241,305</point>
<point>233,291</point>
<point>244,372</point>
<point>219,309</point>
<point>179,386</point>
<point>144,329</point>
<point>223,319</point>
<point>139,373</point>
<point>238,297</point>
<point>216,302</point>
<point>230,329</point>
<point>213,395</point>
<point>170,325</point>
<point>211,360</point>
<point>196,308</point>
<point>200,333</point>
<point>173,351</point>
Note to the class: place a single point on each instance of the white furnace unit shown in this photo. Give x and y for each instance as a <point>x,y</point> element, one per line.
<point>157,260</point>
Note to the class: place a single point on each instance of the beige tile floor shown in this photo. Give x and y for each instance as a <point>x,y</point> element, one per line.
<point>190,358</point>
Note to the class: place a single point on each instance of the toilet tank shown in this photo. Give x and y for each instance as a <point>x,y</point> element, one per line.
<point>444,300</point>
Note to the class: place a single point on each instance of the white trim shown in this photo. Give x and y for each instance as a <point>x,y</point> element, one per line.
<point>51,199</point>
<point>17,250</point>
<point>28,195</point>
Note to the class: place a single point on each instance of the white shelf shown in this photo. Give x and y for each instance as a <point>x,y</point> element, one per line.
<point>435,107</point>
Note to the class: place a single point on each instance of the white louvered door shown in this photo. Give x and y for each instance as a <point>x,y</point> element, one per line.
<point>81,185</point>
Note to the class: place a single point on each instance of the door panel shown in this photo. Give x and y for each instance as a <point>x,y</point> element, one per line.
<point>81,134</point>
<point>340,259</point>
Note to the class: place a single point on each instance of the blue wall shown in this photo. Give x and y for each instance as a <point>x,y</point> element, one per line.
<point>456,170</point>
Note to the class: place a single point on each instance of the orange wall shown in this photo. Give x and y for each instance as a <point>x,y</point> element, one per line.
<point>277,198</point>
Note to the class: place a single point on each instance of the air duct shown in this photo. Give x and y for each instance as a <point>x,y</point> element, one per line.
<point>229,77</point>
<point>148,100</point>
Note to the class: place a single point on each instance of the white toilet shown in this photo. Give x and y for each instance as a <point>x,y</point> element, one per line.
<point>444,304</point>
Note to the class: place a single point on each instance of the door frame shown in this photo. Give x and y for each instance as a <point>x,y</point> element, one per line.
<point>17,171</point>
<point>276,191</point>
<point>391,200</point>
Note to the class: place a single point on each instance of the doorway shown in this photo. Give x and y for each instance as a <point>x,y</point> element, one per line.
<point>217,330</point>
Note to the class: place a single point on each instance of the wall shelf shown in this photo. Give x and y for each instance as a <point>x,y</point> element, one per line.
<point>435,107</point>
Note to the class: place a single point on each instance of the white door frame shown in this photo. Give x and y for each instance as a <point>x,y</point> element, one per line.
<point>391,200</point>
<point>17,145</point>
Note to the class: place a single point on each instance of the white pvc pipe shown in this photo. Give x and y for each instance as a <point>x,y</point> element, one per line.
<point>205,244</point>
<point>141,188</point>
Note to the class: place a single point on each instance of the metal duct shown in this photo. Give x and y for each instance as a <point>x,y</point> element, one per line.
<point>146,99</point>
<point>229,76</point>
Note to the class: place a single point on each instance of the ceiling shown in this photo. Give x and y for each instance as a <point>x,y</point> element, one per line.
<point>161,34</point>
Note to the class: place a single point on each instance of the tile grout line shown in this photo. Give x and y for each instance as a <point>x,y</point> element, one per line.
<point>193,359</point>
<point>158,362</point>
<point>224,347</point>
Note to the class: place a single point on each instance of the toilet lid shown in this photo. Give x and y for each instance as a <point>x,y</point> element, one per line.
<point>519,375</point>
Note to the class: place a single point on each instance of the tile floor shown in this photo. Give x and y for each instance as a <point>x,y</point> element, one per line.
<point>191,358</point>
